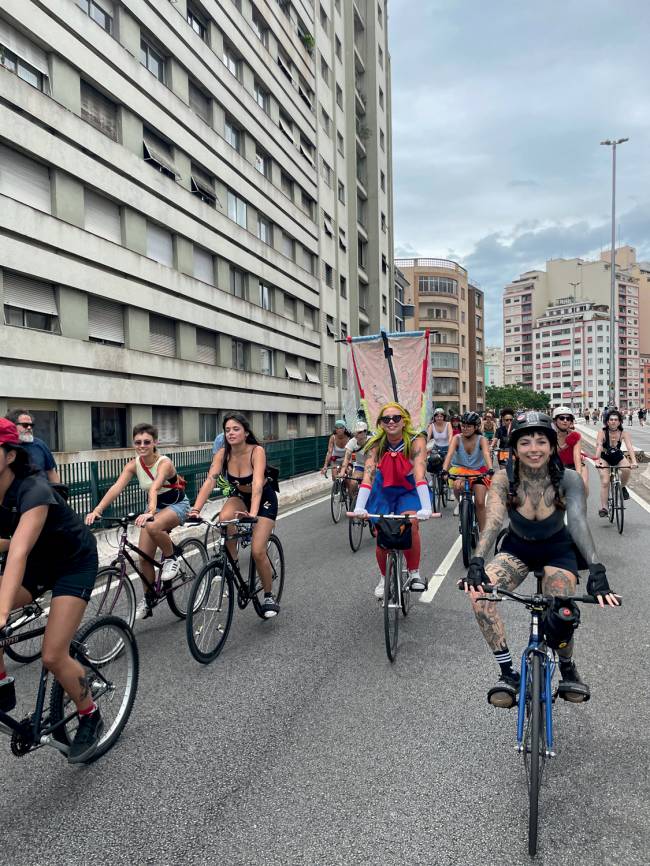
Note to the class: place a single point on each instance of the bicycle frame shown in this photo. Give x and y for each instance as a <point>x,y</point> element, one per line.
<point>536,646</point>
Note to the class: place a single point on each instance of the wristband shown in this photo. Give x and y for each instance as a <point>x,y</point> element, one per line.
<point>423,494</point>
<point>362,498</point>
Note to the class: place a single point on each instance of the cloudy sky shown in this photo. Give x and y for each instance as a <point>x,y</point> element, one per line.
<point>498,108</point>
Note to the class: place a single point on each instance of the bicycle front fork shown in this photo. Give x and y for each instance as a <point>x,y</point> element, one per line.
<point>546,697</point>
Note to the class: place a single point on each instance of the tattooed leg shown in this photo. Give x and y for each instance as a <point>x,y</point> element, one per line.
<point>558,582</point>
<point>507,571</point>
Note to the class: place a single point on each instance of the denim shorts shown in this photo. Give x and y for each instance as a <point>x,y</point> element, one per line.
<point>181,509</point>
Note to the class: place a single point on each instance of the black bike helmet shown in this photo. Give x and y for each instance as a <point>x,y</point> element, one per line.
<point>527,422</point>
<point>471,418</point>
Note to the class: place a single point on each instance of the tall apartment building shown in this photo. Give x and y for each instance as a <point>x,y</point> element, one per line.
<point>571,348</point>
<point>453,309</point>
<point>527,298</point>
<point>196,202</point>
<point>493,366</point>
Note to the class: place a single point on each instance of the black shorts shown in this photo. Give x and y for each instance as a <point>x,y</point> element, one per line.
<point>612,458</point>
<point>559,550</point>
<point>78,580</point>
<point>268,503</point>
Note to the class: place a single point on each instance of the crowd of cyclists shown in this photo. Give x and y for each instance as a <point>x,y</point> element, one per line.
<point>528,474</point>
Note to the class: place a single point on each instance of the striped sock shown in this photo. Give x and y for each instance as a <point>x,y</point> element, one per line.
<point>504,660</point>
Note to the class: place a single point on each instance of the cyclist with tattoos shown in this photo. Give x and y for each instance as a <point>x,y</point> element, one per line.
<point>394,482</point>
<point>534,494</point>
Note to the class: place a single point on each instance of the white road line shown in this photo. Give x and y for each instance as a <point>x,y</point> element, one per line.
<point>441,572</point>
<point>302,507</point>
<point>638,500</point>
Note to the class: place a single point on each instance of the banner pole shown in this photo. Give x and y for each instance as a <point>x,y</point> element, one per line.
<point>388,354</point>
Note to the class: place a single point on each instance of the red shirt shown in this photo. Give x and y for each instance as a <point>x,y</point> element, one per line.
<point>566,453</point>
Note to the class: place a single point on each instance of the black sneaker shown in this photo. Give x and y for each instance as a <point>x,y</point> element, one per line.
<point>87,738</point>
<point>504,694</point>
<point>625,492</point>
<point>270,607</point>
<point>602,512</point>
<point>571,688</point>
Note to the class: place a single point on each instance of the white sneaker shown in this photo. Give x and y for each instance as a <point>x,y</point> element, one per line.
<point>171,567</point>
<point>457,509</point>
<point>379,589</point>
<point>416,583</point>
<point>142,611</point>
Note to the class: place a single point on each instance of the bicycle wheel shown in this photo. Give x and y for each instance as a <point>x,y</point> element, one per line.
<point>466,519</point>
<point>611,501</point>
<point>193,557</point>
<point>29,650</point>
<point>355,533</point>
<point>405,595</point>
<point>619,507</point>
<point>435,495</point>
<point>336,501</point>
<point>275,554</point>
<point>210,609</point>
<point>444,491</point>
<point>113,682</point>
<point>391,604</point>
<point>534,746</point>
<point>112,596</point>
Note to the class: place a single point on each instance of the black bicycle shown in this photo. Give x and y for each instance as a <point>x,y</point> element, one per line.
<point>356,527</point>
<point>114,592</point>
<point>212,601</point>
<point>467,522</point>
<point>106,648</point>
<point>339,497</point>
<point>535,735</point>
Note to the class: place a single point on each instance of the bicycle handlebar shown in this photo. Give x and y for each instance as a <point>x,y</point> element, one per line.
<point>391,516</point>
<point>197,521</point>
<point>547,600</point>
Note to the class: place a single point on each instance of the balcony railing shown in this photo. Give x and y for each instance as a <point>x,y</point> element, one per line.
<point>444,264</point>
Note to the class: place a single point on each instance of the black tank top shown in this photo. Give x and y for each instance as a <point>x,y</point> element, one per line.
<point>536,530</point>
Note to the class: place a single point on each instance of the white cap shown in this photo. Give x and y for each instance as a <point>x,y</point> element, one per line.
<point>562,410</point>
<point>360,426</point>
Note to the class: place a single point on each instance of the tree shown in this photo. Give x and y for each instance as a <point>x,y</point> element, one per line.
<point>515,397</point>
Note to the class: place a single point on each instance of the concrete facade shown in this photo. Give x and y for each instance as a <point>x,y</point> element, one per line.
<point>219,175</point>
<point>493,367</point>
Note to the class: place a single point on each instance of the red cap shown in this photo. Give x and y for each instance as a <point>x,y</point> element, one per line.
<point>8,432</point>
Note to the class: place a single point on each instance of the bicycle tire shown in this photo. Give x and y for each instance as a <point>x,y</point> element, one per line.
<point>534,747</point>
<point>275,554</point>
<point>444,491</point>
<point>194,556</point>
<point>405,593</point>
<point>116,703</point>
<point>355,533</point>
<point>336,501</point>
<point>434,494</point>
<point>466,530</point>
<point>391,605</point>
<point>619,507</point>
<point>28,651</point>
<point>210,611</point>
<point>112,596</point>
<point>610,501</point>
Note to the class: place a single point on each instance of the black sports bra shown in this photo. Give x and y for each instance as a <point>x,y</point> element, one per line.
<point>244,480</point>
<point>536,530</point>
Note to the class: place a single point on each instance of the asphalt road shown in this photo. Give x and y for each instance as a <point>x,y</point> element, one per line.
<point>302,744</point>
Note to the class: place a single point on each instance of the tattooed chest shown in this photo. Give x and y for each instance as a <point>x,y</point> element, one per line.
<point>537,499</point>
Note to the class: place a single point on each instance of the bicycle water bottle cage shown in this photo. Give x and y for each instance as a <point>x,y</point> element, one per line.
<point>560,621</point>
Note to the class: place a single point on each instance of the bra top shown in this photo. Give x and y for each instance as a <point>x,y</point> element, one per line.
<point>608,445</point>
<point>440,437</point>
<point>244,480</point>
<point>536,530</point>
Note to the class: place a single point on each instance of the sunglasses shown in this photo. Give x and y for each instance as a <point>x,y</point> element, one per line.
<point>26,424</point>
<point>386,419</point>
<point>143,441</point>
<point>564,417</point>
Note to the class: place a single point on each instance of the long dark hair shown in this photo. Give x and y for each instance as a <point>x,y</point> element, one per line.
<point>21,467</point>
<point>609,415</point>
<point>555,471</point>
<point>245,423</point>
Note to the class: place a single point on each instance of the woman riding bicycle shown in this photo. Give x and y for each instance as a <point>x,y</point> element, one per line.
<point>569,444</point>
<point>501,436</point>
<point>439,432</point>
<point>535,493</point>
<point>355,453</point>
<point>470,453</point>
<point>50,549</point>
<point>240,466</point>
<point>489,426</point>
<point>167,505</point>
<point>336,448</point>
<point>609,452</point>
<point>394,482</point>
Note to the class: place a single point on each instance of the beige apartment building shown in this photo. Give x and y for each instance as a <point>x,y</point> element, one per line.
<point>445,302</point>
<point>196,203</point>
<point>527,298</point>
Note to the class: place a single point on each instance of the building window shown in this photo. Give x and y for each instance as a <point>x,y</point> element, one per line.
<point>232,62</point>
<point>288,246</point>
<point>202,185</point>
<point>290,308</point>
<point>207,426</point>
<point>343,287</point>
<point>338,47</point>
<point>307,150</point>
<point>264,230</point>
<point>381,98</point>
<point>237,283</point>
<point>233,135</point>
<point>340,145</point>
<point>265,297</point>
<point>331,376</point>
<point>325,172</point>
<point>263,164</point>
<point>305,93</point>
<point>108,426</point>
<point>105,321</point>
<point>152,59</point>
<point>324,20</point>
<point>384,304</point>
<point>203,266</point>
<point>199,102</point>
<point>384,263</point>
<point>206,346</point>
<point>23,58</point>
<point>383,222</point>
<point>102,216</point>
<point>238,355</point>
<point>382,139</point>
<point>343,244</point>
<point>97,11</point>
<point>29,303</point>
<point>311,317</point>
<point>328,274</point>
<point>269,426</point>
<point>325,122</point>
<point>237,209</point>
<point>292,426</point>
<point>285,64</point>
<point>98,111</point>
<point>197,22</point>
<point>344,330</point>
<point>262,97</point>
<point>162,335</point>
<point>324,70</point>
<point>160,244</point>
<point>286,126</point>
<point>165,418</point>
<point>267,362</point>
<point>341,192</point>
<point>380,56</point>
<point>442,285</point>
<point>158,153</point>
<point>312,372</point>
<point>260,28</point>
<point>329,326</point>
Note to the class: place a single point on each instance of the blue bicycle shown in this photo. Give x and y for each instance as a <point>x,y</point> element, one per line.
<point>537,692</point>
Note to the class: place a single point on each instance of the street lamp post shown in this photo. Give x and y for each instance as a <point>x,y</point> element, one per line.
<point>612,399</point>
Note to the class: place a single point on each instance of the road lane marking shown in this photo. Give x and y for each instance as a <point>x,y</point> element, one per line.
<point>638,500</point>
<point>441,572</point>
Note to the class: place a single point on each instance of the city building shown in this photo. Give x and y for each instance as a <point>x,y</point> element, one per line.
<point>571,353</point>
<point>493,367</point>
<point>403,308</point>
<point>528,297</point>
<point>444,301</point>
<point>644,396</point>
<point>196,204</point>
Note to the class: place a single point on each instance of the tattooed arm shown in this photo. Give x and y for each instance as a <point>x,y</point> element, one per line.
<point>419,458</point>
<point>576,508</point>
<point>370,467</point>
<point>496,514</point>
